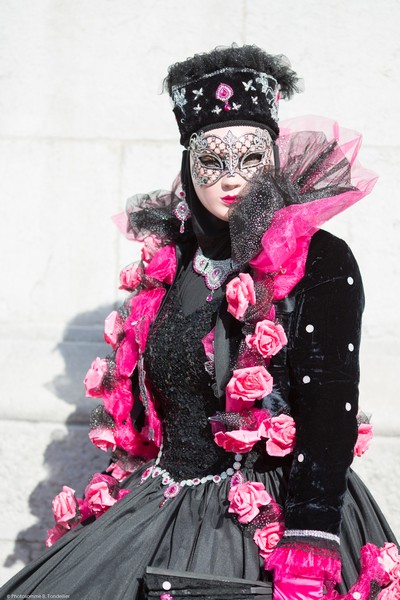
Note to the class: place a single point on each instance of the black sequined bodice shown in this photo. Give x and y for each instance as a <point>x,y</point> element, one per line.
<point>175,360</point>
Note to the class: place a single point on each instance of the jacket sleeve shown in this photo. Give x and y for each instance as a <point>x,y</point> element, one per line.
<point>324,373</point>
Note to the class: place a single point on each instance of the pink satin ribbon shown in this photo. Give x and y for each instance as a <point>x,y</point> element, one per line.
<point>298,589</point>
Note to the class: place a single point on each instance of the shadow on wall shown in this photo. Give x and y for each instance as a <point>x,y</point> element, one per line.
<point>70,458</point>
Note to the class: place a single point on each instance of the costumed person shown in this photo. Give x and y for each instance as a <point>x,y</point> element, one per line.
<point>230,394</point>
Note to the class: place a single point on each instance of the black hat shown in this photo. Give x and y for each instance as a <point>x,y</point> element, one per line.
<point>235,85</point>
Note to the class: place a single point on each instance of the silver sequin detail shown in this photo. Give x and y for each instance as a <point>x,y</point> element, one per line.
<point>248,85</point>
<point>300,458</point>
<point>306,379</point>
<point>325,535</point>
<point>214,271</point>
<point>351,347</point>
<point>348,406</point>
<point>224,70</point>
<point>350,280</point>
<point>309,328</point>
<point>178,98</point>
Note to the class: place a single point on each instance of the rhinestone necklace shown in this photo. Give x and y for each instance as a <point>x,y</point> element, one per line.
<point>214,271</point>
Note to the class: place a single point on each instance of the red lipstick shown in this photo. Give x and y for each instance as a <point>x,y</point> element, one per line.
<point>228,199</point>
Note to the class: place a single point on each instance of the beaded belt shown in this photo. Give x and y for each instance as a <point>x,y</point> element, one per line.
<point>174,487</point>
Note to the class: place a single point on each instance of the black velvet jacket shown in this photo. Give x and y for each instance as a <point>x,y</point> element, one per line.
<point>317,375</point>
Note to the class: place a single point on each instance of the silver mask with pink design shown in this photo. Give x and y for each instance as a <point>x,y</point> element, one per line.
<point>213,157</point>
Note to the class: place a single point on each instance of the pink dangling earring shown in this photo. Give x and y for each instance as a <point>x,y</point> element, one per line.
<point>182,211</point>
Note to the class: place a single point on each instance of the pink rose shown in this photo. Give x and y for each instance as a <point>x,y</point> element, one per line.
<point>246,386</point>
<point>390,560</point>
<point>365,435</point>
<point>118,471</point>
<point>208,343</point>
<point>268,537</point>
<point>246,498</point>
<point>84,509</point>
<point>392,592</point>
<point>131,277</point>
<point>163,264</point>
<point>94,377</point>
<point>119,402</point>
<point>127,354</point>
<point>281,433</point>
<point>240,440</point>
<point>122,493</point>
<point>101,493</point>
<point>54,534</point>
<point>133,442</point>
<point>151,244</point>
<point>267,339</point>
<point>112,328</point>
<point>65,508</point>
<point>239,294</point>
<point>103,438</point>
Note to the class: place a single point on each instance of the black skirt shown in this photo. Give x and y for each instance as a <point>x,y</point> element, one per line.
<point>192,532</point>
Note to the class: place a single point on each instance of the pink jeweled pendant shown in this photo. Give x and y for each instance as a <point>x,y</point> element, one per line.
<point>171,491</point>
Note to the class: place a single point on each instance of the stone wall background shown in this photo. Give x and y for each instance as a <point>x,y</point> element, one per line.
<point>82,127</point>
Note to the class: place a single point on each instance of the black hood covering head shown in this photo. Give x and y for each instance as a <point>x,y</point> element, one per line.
<point>212,234</point>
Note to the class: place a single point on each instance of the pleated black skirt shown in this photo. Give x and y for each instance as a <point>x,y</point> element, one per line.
<point>194,532</point>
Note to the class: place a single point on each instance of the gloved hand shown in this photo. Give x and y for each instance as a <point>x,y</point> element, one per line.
<point>298,588</point>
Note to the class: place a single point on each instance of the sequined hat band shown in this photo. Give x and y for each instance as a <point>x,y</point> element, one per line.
<point>227,95</point>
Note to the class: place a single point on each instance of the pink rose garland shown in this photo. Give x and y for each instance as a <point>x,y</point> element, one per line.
<point>102,492</point>
<point>246,500</point>
<point>280,432</point>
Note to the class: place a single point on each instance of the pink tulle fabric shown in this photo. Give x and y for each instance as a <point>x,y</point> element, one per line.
<point>294,562</point>
<point>371,570</point>
<point>379,566</point>
<point>285,243</point>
